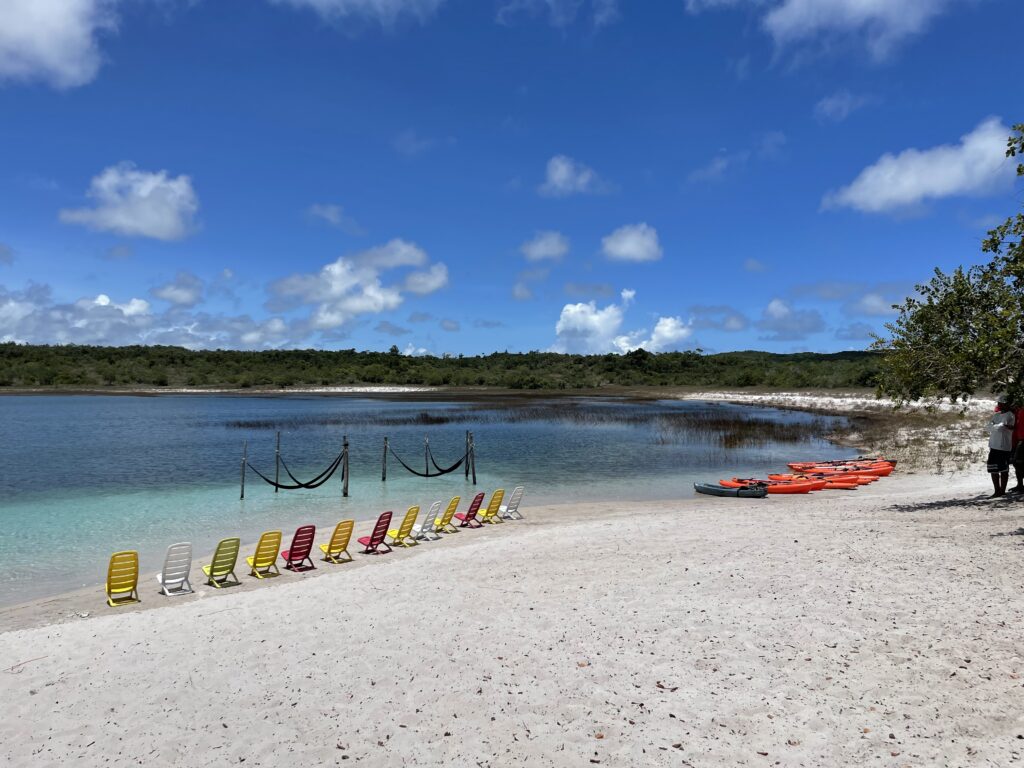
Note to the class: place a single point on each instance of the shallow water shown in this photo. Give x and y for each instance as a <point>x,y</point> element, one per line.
<point>84,476</point>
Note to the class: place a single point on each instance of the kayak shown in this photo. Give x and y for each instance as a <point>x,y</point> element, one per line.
<point>844,462</point>
<point>878,470</point>
<point>747,492</point>
<point>776,486</point>
<point>832,482</point>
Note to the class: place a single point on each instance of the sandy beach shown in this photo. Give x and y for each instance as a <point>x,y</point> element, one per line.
<point>881,627</point>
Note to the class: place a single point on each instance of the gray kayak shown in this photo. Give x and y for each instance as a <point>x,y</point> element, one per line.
<point>751,492</point>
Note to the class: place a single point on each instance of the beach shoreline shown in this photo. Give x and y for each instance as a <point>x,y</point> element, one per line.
<point>835,629</point>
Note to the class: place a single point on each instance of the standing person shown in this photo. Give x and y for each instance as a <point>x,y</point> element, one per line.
<point>1017,456</point>
<point>1000,443</point>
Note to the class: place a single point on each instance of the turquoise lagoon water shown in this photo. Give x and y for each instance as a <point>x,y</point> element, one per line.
<point>84,476</point>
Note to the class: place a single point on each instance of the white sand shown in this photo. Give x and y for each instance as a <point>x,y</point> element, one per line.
<point>879,627</point>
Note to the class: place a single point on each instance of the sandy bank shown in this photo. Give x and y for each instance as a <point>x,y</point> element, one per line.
<point>881,627</point>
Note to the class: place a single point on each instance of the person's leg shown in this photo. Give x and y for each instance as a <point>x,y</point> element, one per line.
<point>1018,468</point>
<point>995,485</point>
<point>1004,478</point>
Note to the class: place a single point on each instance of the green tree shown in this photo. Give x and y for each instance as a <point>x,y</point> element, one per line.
<point>964,330</point>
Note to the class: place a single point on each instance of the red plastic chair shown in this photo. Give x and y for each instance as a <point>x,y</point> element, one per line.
<point>375,540</point>
<point>298,552</point>
<point>469,519</point>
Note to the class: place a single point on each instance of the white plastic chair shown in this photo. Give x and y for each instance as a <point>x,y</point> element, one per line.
<point>177,564</point>
<point>427,530</point>
<point>511,511</point>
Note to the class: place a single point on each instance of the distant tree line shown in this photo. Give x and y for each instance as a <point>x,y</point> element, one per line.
<point>74,366</point>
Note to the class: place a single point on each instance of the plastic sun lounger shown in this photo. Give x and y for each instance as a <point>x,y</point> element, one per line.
<point>123,579</point>
<point>223,564</point>
<point>375,540</point>
<point>444,523</point>
<point>490,515</point>
<point>511,510</point>
<point>427,530</point>
<point>402,536</point>
<point>264,562</point>
<point>338,545</point>
<point>469,519</point>
<point>297,554</point>
<point>177,564</point>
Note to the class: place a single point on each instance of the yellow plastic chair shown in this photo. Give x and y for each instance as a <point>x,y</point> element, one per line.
<point>490,515</point>
<point>264,562</point>
<point>123,579</point>
<point>443,524</point>
<point>338,545</point>
<point>223,564</point>
<point>402,536</point>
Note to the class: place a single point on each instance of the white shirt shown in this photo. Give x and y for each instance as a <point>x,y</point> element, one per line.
<point>1001,432</point>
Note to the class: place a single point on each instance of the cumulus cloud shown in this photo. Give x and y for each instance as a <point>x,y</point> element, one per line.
<point>589,289</point>
<point>633,242</point>
<point>783,323</point>
<point>420,317</point>
<point>334,215</point>
<point>353,285</point>
<point>389,328</point>
<point>545,245</point>
<point>411,350</point>
<point>450,325</point>
<point>975,166</point>
<point>565,176</point>
<point>560,13</point>
<point>522,291</point>
<point>855,332</point>
<point>6,254</point>
<point>718,317</point>
<point>137,203</point>
<point>839,106</point>
<point>384,12</point>
<point>754,265</point>
<point>186,290</point>
<point>872,304</point>
<point>586,328</point>
<point>54,41</point>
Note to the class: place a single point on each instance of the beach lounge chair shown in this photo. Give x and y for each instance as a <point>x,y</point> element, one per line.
<point>298,553</point>
<point>177,564</point>
<point>490,513</point>
<point>123,579</point>
<point>427,530</point>
<point>402,536</point>
<point>511,511</point>
<point>444,523</point>
<point>375,540</point>
<point>338,545</point>
<point>223,564</point>
<point>469,520</point>
<point>264,562</point>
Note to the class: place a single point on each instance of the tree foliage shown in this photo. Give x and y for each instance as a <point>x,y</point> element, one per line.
<point>964,331</point>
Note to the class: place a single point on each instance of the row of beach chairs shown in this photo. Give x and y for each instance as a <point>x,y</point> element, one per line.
<point>123,571</point>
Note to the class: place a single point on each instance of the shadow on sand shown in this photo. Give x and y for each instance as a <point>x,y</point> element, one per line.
<point>974,502</point>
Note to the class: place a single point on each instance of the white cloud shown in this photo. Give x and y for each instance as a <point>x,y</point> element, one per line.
<point>719,318</point>
<point>754,265</point>
<point>855,332</point>
<point>783,323</point>
<point>335,216</point>
<point>565,176</point>
<point>186,290</point>
<point>585,328</point>
<point>450,325</point>
<point>881,24</point>
<point>353,285</point>
<point>385,12</point>
<point>411,350</point>
<point>6,254</point>
<point>55,41</point>
<point>138,203</point>
<point>545,245</point>
<point>839,106</point>
<point>873,305</point>
<point>521,291</point>
<point>976,166</point>
<point>386,326</point>
<point>633,242</point>
<point>560,13</point>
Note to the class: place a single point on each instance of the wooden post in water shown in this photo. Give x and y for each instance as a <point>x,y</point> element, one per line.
<point>344,467</point>
<point>472,455</point>
<point>277,463</point>
<point>384,464</point>
<point>467,455</point>
<point>426,455</point>
<point>245,457</point>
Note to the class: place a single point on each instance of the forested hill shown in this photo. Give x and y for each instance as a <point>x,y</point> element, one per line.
<point>93,367</point>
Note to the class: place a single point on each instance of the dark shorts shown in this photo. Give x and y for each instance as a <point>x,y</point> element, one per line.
<point>1018,453</point>
<point>998,461</point>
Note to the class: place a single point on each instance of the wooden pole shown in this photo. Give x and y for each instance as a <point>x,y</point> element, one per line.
<point>344,467</point>
<point>384,464</point>
<point>467,455</point>
<point>426,455</point>
<point>472,455</point>
<point>277,463</point>
<point>245,456</point>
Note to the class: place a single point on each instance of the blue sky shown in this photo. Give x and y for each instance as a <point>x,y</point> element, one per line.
<point>466,176</point>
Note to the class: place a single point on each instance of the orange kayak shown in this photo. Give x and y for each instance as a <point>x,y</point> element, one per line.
<point>776,486</point>
<point>832,483</point>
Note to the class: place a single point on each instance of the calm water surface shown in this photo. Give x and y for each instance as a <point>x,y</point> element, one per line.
<point>84,476</point>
